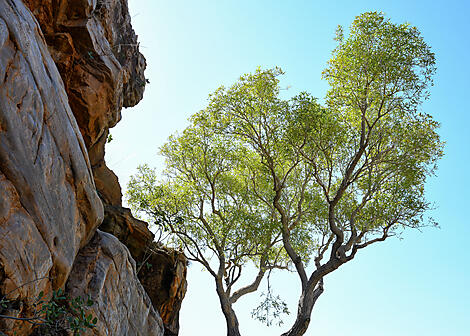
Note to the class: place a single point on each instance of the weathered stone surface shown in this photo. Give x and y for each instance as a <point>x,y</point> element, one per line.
<point>42,153</point>
<point>59,94</point>
<point>130,231</point>
<point>24,257</point>
<point>105,270</point>
<point>115,18</point>
<point>162,272</point>
<point>49,204</point>
<point>107,184</point>
<point>96,51</point>
<point>97,54</point>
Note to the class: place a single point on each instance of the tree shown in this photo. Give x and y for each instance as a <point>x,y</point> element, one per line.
<point>337,178</point>
<point>212,202</point>
<point>372,153</point>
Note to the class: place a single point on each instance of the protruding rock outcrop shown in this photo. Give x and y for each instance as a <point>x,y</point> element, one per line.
<point>96,51</point>
<point>66,70</point>
<point>49,204</point>
<point>162,271</point>
<point>105,271</point>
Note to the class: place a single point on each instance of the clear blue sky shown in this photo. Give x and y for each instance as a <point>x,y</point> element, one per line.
<point>415,286</point>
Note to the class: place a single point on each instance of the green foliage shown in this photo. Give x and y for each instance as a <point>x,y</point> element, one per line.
<point>55,315</point>
<point>214,197</point>
<point>380,66</point>
<point>379,75</point>
<point>280,182</point>
<point>4,303</point>
<point>270,310</point>
<point>63,313</point>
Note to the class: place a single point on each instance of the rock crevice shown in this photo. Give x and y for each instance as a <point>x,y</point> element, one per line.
<point>66,70</point>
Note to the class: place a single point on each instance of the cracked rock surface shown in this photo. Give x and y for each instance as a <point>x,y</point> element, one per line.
<point>107,273</point>
<point>67,67</point>
<point>49,204</point>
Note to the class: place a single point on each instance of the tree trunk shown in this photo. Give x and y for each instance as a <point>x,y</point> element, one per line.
<point>306,302</point>
<point>229,313</point>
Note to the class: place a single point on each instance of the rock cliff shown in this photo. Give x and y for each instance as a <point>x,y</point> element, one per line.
<point>67,67</point>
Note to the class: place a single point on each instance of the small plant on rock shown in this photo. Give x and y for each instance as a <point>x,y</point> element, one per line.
<point>56,316</point>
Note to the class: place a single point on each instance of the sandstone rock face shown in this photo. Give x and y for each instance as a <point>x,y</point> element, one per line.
<point>130,231</point>
<point>96,51</point>
<point>162,272</point>
<point>97,54</point>
<point>105,270</point>
<point>67,67</point>
<point>24,256</point>
<point>49,204</point>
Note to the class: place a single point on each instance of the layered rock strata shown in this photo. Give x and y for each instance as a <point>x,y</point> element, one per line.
<point>162,272</point>
<point>105,270</point>
<point>66,70</point>
<point>49,204</point>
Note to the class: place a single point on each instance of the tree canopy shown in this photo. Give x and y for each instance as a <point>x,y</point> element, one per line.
<point>286,182</point>
<point>214,202</point>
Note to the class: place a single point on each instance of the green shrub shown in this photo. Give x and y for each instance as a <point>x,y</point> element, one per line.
<point>56,316</point>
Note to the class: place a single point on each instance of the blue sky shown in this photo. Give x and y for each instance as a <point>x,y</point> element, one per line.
<point>415,286</point>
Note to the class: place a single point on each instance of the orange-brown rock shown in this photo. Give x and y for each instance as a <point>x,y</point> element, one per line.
<point>97,54</point>
<point>65,74</point>
<point>162,272</point>
<point>107,184</point>
<point>130,231</point>
<point>49,204</point>
<point>96,51</point>
<point>105,271</point>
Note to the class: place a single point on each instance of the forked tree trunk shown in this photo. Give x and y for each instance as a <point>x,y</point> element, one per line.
<point>306,302</point>
<point>229,313</point>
